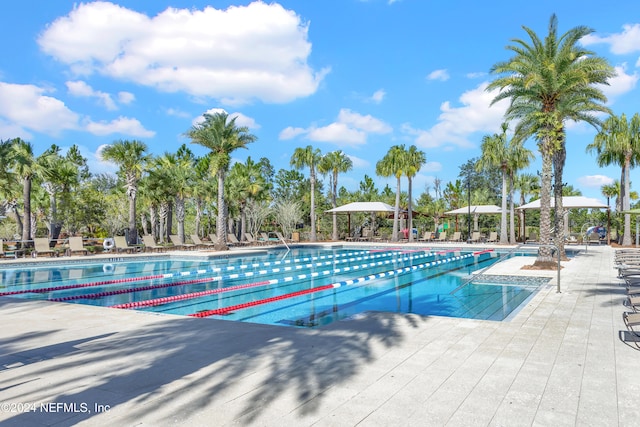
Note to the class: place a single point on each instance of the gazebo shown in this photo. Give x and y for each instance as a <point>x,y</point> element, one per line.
<point>372,207</point>
<point>571,202</point>
<point>475,210</point>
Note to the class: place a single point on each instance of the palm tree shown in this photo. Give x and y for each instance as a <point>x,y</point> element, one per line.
<point>335,162</point>
<point>246,184</point>
<point>309,157</point>
<point>26,167</point>
<point>548,82</point>
<point>415,159</point>
<point>619,143</point>
<point>394,164</point>
<point>527,184</point>
<point>130,157</point>
<point>494,154</point>
<point>518,158</point>
<point>221,135</point>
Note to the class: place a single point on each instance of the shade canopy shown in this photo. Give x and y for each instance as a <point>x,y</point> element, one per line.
<point>476,209</point>
<point>569,202</point>
<point>362,207</point>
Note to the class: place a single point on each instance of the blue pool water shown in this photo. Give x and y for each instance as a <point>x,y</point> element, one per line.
<point>305,287</point>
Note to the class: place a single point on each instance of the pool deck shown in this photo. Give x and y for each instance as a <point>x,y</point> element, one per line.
<point>558,362</point>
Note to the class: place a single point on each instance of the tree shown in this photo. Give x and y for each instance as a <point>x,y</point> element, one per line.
<point>246,184</point>
<point>222,136</point>
<point>518,158</point>
<point>394,164</point>
<point>131,158</point>
<point>618,142</point>
<point>335,162</point>
<point>494,155</point>
<point>548,82</point>
<point>309,157</point>
<point>415,159</point>
<point>527,184</point>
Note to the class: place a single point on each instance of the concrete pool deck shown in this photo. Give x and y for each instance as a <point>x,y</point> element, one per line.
<point>557,362</point>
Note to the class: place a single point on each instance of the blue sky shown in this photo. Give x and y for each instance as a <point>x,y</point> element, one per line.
<point>354,75</point>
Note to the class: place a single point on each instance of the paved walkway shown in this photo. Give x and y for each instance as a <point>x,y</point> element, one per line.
<point>558,362</point>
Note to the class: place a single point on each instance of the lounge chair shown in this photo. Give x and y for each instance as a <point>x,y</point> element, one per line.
<point>13,253</point>
<point>282,238</point>
<point>196,239</point>
<point>475,237</point>
<point>442,237</point>
<point>493,237</point>
<point>150,244</point>
<point>76,245</point>
<point>42,247</point>
<point>456,236</point>
<point>533,237</point>
<point>213,238</point>
<point>594,238</point>
<point>252,240</point>
<point>175,239</point>
<point>233,240</point>
<point>121,245</point>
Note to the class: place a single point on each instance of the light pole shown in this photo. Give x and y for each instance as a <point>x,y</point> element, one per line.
<point>608,223</point>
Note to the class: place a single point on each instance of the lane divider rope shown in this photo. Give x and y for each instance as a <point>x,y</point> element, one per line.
<point>226,310</point>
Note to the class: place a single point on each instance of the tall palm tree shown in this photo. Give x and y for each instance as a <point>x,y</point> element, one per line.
<point>527,184</point>
<point>548,82</point>
<point>394,164</point>
<point>246,183</point>
<point>619,143</point>
<point>518,158</point>
<point>130,156</point>
<point>335,162</point>
<point>494,155</point>
<point>415,159</point>
<point>222,136</point>
<point>26,168</point>
<point>309,157</point>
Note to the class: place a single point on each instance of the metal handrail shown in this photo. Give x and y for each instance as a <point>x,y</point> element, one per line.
<point>475,276</point>
<point>551,245</point>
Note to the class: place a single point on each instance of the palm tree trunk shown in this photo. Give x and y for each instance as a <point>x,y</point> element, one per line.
<point>221,220</point>
<point>313,237</point>
<point>503,214</point>
<point>164,214</point>
<point>133,233</point>
<point>198,219</point>
<point>544,253</point>
<point>334,205</point>
<point>410,212</point>
<point>512,221</point>
<point>396,213</point>
<point>180,217</point>
<point>26,195</point>
<point>626,204</point>
<point>558,163</point>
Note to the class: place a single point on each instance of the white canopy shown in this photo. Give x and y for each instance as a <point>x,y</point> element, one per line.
<point>570,202</point>
<point>362,207</point>
<point>476,209</point>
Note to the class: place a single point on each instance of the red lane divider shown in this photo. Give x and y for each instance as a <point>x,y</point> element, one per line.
<point>226,310</point>
<point>129,291</point>
<point>81,285</point>
<point>483,252</point>
<point>165,300</point>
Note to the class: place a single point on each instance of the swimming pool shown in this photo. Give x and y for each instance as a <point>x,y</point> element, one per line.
<point>304,287</point>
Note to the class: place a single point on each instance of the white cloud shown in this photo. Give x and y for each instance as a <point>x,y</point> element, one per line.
<point>358,163</point>
<point>378,96</point>
<point>26,107</point>
<point>126,97</point>
<point>476,75</point>
<point>628,41</point>
<point>621,83</point>
<point>594,181</point>
<point>121,125</point>
<point>82,89</point>
<point>456,124</point>
<point>241,119</point>
<point>441,75</point>
<point>351,128</point>
<point>291,132</point>
<point>177,113</point>
<point>431,167</point>
<point>239,54</point>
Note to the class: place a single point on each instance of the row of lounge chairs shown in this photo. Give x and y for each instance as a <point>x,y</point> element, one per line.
<point>627,261</point>
<point>476,237</point>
